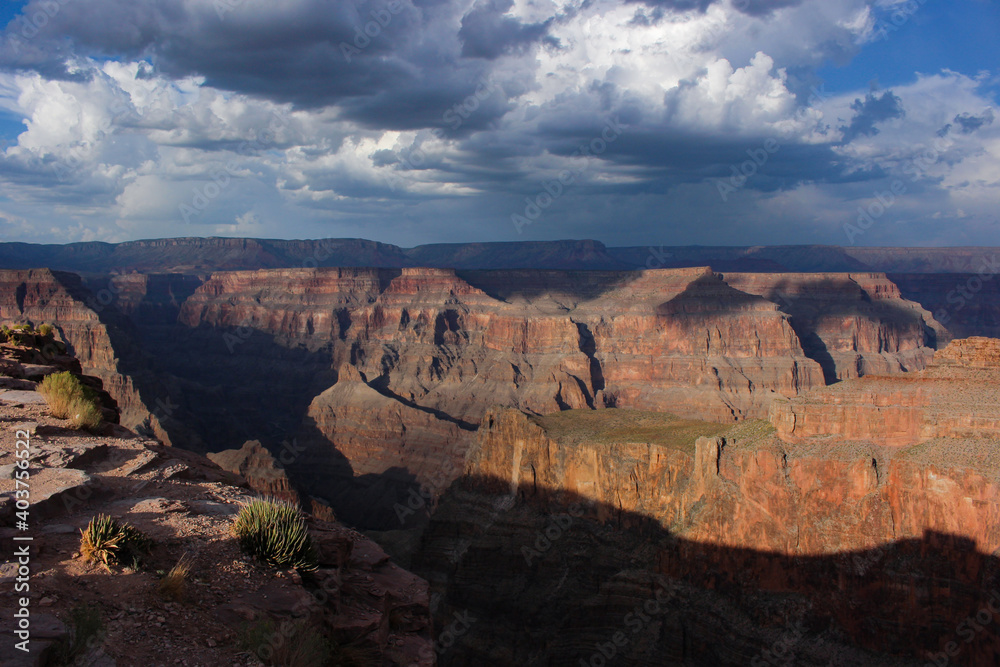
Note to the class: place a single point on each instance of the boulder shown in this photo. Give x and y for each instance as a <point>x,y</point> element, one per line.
<point>79,456</point>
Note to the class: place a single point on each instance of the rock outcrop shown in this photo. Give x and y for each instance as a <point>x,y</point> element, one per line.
<point>957,396</point>
<point>843,545</point>
<point>102,340</point>
<point>254,463</point>
<point>388,372</point>
<point>367,609</point>
<point>853,324</point>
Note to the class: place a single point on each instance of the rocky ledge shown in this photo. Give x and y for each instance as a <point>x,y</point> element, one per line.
<point>371,611</point>
<point>957,396</point>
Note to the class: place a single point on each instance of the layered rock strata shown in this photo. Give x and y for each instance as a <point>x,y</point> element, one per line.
<point>101,338</point>
<point>388,372</point>
<point>957,396</point>
<point>853,324</point>
<point>844,546</point>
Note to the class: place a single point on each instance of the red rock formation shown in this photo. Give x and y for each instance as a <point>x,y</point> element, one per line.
<point>259,468</point>
<point>378,434</point>
<point>957,396</point>
<point>437,348</point>
<point>60,299</point>
<point>854,323</point>
<point>684,342</point>
<point>903,533</point>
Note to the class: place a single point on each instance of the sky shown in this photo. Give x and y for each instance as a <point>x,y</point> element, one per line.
<point>674,122</point>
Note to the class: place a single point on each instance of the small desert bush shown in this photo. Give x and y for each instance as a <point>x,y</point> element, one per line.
<point>46,330</point>
<point>275,532</point>
<point>86,631</point>
<point>22,338</point>
<point>174,584</point>
<point>85,413</point>
<point>293,644</point>
<point>109,542</point>
<point>68,397</point>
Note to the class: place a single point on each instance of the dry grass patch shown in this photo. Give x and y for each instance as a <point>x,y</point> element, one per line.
<point>612,426</point>
<point>68,398</point>
<point>85,414</point>
<point>173,585</point>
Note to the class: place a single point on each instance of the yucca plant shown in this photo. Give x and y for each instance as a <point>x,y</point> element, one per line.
<point>108,542</point>
<point>275,531</point>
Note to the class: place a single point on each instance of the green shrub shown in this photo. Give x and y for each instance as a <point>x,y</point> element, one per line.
<point>84,413</point>
<point>108,541</point>
<point>275,532</point>
<point>86,631</point>
<point>69,398</point>
<point>46,330</point>
<point>295,645</point>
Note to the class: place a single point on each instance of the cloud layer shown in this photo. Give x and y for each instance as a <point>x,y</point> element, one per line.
<point>415,121</point>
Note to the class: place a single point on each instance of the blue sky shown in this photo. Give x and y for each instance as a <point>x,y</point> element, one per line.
<point>958,35</point>
<point>645,121</point>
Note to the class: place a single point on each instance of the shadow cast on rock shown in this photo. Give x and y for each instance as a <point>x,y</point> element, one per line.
<point>553,577</point>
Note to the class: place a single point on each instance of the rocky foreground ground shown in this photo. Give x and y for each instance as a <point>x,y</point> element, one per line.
<point>374,612</point>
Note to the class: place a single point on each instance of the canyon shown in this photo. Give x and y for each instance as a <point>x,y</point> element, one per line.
<point>852,551</point>
<point>770,454</point>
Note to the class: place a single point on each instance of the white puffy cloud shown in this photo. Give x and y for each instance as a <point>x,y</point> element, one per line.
<point>160,145</point>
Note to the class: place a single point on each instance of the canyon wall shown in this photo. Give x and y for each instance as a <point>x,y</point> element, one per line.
<point>854,324</point>
<point>953,283</point>
<point>381,376</point>
<point>957,396</point>
<point>836,545</point>
<point>104,341</point>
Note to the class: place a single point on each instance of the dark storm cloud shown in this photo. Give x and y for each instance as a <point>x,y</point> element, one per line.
<point>656,159</point>
<point>389,64</point>
<point>317,54</point>
<point>749,7</point>
<point>670,159</point>
<point>469,101</point>
<point>970,123</point>
<point>870,111</point>
<point>967,123</point>
<point>487,33</point>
